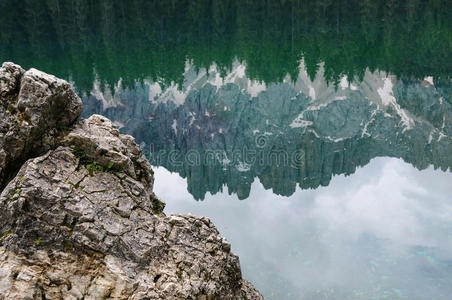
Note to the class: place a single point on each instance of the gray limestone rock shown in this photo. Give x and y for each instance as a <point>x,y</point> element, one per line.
<point>35,109</point>
<point>102,143</point>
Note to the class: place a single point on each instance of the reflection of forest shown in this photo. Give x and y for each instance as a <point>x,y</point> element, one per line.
<point>135,39</point>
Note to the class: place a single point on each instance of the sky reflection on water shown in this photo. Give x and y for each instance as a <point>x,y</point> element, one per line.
<point>384,232</point>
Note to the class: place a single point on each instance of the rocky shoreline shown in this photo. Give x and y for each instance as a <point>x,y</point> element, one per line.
<point>78,218</point>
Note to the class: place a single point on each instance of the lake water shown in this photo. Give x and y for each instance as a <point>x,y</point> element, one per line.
<point>317,135</point>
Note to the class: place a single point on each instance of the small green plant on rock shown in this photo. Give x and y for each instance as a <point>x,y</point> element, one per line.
<point>94,166</point>
<point>230,269</point>
<point>62,127</point>
<point>157,206</point>
<point>80,153</point>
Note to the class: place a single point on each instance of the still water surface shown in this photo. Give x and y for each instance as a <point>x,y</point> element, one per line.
<point>385,232</point>
<point>317,133</point>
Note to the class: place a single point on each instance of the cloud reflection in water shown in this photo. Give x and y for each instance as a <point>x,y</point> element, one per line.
<point>383,232</point>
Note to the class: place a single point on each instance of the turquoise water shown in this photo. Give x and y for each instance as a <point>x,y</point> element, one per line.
<point>316,134</point>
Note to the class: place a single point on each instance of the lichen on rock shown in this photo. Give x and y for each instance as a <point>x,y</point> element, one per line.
<point>79,220</point>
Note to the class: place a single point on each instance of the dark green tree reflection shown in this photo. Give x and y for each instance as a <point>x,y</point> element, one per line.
<point>137,39</point>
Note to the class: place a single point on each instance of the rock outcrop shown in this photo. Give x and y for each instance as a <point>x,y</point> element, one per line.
<point>80,221</point>
<point>34,110</point>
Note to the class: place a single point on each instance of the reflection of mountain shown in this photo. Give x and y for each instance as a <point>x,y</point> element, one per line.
<point>137,39</point>
<point>219,132</point>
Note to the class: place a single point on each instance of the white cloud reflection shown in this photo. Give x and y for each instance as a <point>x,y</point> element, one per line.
<point>383,232</point>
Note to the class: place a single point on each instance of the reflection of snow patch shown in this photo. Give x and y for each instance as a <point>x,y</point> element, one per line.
<point>201,75</point>
<point>108,100</point>
<point>430,137</point>
<point>385,92</point>
<point>372,118</point>
<point>387,98</point>
<point>173,93</point>
<point>212,76</point>
<point>344,82</point>
<point>299,120</point>
<point>192,120</point>
<point>174,126</point>
<point>429,79</point>
<point>312,93</point>
<point>238,72</point>
<point>340,98</point>
<point>335,140</point>
<point>255,87</point>
<point>154,90</point>
<point>315,133</point>
<point>215,78</point>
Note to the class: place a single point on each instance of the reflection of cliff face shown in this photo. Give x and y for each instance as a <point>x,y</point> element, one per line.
<point>227,131</point>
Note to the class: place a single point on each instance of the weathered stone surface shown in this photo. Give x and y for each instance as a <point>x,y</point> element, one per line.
<point>61,275</point>
<point>10,75</point>
<point>35,109</point>
<point>76,275</point>
<point>82,222</point>
<point>102,142</point>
